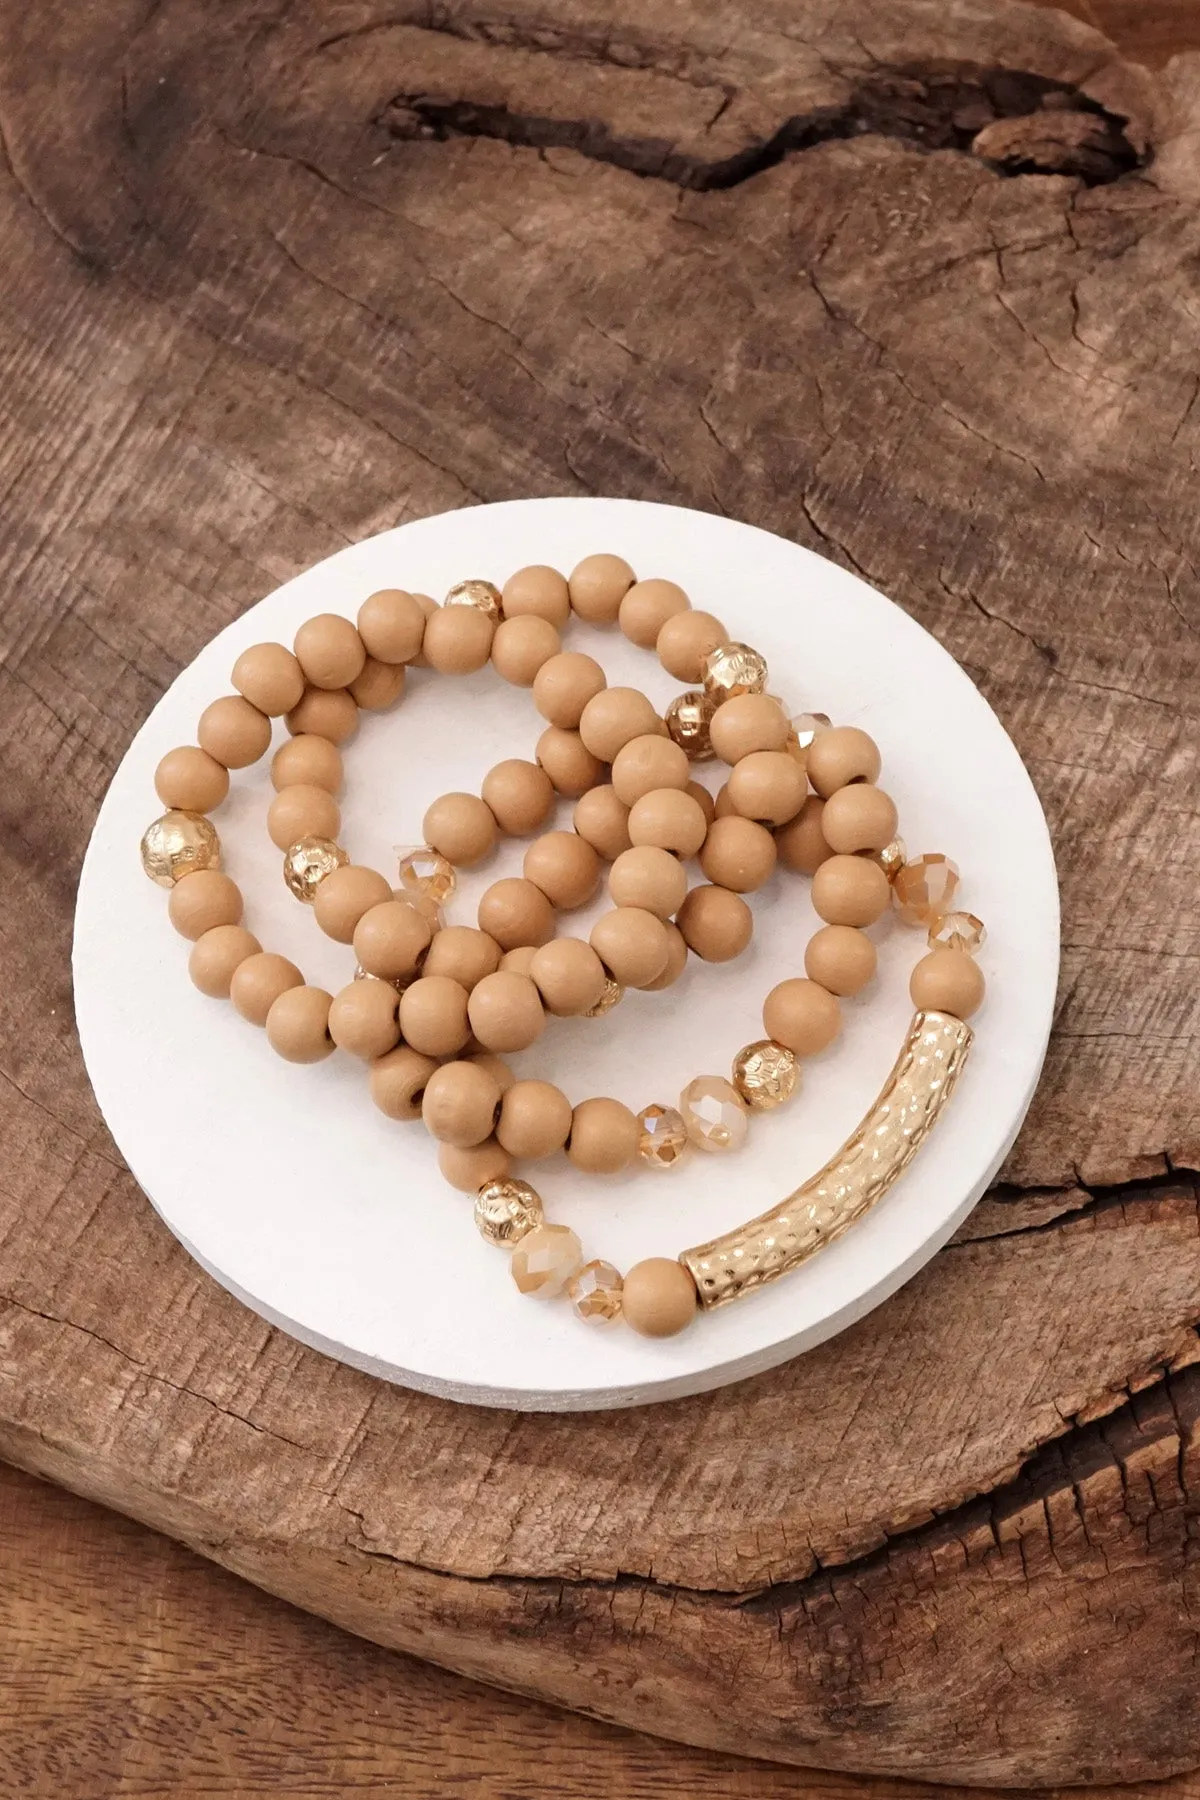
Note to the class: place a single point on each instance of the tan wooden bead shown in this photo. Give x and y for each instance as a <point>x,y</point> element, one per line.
<point>646,764</point>
<point>391,939</point>
<point>602,820</point>
<point>840,755</point>
<point>191,779</point>
<point>685,640</point>
<point>233,732</point>
<point>646,607</point>
<point>499,1069</point>
<point>748,723</point>
<point>537,592</point>
<point>604,1136</point>
<point>850,890</point>
<point>715,923</point>
<point>344,896</point>
<point>738,854</point>
<point>258,982</point>
<point>704,800</point>
<point>506,1012</point>
<point>841,958</point>
<point>458,639</point>
<point>535,1120</point>
<point>802,1016</point>
<point>325,712</point>
<point>460,1104</point>
<point>468,1170</point>
<point>397,1081</point>
<point>302,811</point>
<point>668,819</point>
<point>569,976</point>
<point>330,651</point>
<point>362,1018</point>
<point>723,807</point>
<point>460,827</point>
<point>520,960</point>
<point>202,901</point>
<point>612,719</point>
<point>463,953</point>
<point>801,844</point>
<point>649,878</point>
<point>563,686</point>
<point>270,678</point>
<point>677,956</point>
<point>433,1016</point>
<point>597,586</point>
<point>859,817</point>
<point>428,607</point>
<point>565,867</point>
<point>307,761</point>
<point>948,981</point>
<point>298,1025</point>
<point>568,762</point>
<point>379,685</point>
<point>217,955</point>
<point>768,785</point>
<point>664,1297</point>
<point>391,624</point>
<point>520,796</point>
<point>632,944</point>
<point>523,646</point>
<point>516,911</point>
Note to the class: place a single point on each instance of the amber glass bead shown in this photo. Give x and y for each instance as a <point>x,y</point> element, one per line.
<point>924,889</point>
<point>595,1293</point>
<point>714,1113</point>
<point>662,1137</point>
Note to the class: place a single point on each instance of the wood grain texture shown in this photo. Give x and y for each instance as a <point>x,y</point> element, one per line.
<point>282,275</point>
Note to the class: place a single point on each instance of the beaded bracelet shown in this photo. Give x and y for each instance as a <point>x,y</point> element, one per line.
<point>432,1009</point>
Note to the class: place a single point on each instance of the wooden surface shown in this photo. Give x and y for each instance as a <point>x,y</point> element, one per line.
<point>280,278</point>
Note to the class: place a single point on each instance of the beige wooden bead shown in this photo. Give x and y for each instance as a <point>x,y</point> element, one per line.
<point>569,976</point>
<point>233,732</point>
<point>859,817</point>
<point>632,944</point>
<point>397,1081</point>
<point>535,1120</point>
<point>677,956</point>
<point>460,827</point>
<point>646,607</point>
<point>460,1104</point>
<point>715,923</point>
<point>362,1018</point>
<point>685,640</point>
<point>522,646</point>
<point>428,607</point>
<point>516,912</point>
<point>379,685</point>
<point>840,755</point>
<point>520,796</point>
<point>565,867</point>
<point>391,939</point>
<point>600,818</point>
<point>463,953</point>
<point>307,761</point>
<point>190,779</point>
<point>327,713</point>
<point>344,896</point>
<point>433,1015</point>
<point>614,718</point>
<point>391,624</point>
<point>506,1012</point>
<point>841,958</point>
<point>668,819</point>
<point>948,981</point>
<point>330,651</point>
<point>802,1016</point>
<point>568,762</point>
<point>597,586</point>
<point>498,1067</point>
<point>604,1136</point>
<point>738,854</point>
<point>202,901</point>
<point>748,723</point>
<point>270,678</point>
<point>704,800</point>
<point>520,960</point>
<point>458,639</point>
<point>563,686</point>
<point>470,1169</point>
<point>768,785</point>
<point>850,890</point>
<point>723,807</point>
<point>298,1025</point>
<point>649,878</point>
<point>646,764</point>
<point>664,1299</point>
<point>216,956</point>
<point>302,811</point>
<point>800,843</point>
<point>537,592</point>
<point>258,982</point>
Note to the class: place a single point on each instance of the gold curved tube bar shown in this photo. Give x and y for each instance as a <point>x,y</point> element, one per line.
<point>852,1181</point>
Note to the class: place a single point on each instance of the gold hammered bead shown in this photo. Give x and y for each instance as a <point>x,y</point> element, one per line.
<point>177,845</point>
<point>612,996</point>
<point>483,595</point>
<point>506,1211</point>
<point>732,670</point>
<point>688,719</point>
<point>765,1074</point>
<point>307,862</point>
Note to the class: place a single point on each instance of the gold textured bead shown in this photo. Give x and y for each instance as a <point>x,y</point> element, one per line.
<point>688,719</point>
<point>957,931</point>
<point>506,1211</point>
<point>892,858</point>
<point>595,1293</point>
<point>177,845</point>
<point>734,669</point>
<point>765,1074</point>
<point>802,729</point>
<point>422,872</point>
<point>545,1260</point>
<point>307,862</point>
<point>714,1113</point>
<point>663,1140</point>
<point>924,888</point>
<point>613,994</point>
<point>399,983</point>
<point>483,595</point>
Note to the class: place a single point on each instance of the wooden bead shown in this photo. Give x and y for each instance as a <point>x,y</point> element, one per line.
<point>463,953</point>
<point>433,1015</point>
<point>520,796</point>
<point>520,960</point>
<point>723,807</point>
<point>460,827</point>
<point>664,1298</point>
<point>458,639</point>
<point>946,981</point>
<point>460,1104</point>
<point>563,686</point>
<point>604,1136</point>
<point>597,586</point>
<point>307,761</point>
<point>535,1120</point>
<point>768,785</point>
<point>840,755</point>
<point>646,607</point>
<point>677,956</point>
<point>217,955</point>
<point>298,1025</point>
<point>850,890</point>
<point>326,713</point>
<point>704,800</point>
<point>503,1075</point>
<point>203,900</point>
<point>397,1081</point>
<point>859,817</point>
<point>565,867</point>
<point>428,607</point>
<point>802,1016</point>
<point>569,976</point>
<point>668,819</point>
<point>568,762</point>
<point>612,719</point>
<point>270,678</point>
<point>632,944</point>
<point>515,912</point>
<point>362,1018</point>
<point>841,958</point>
<point>684,640</point>
<point>537,592</point>
<point>800,844</point>
<point>649,878</point>
<point>379,685</point>
<point>738,854</point>
<point>600,818</point>
<point>715,923</point>
<point>391,624</point>
<point>523,646</point>
<point>390,940</point>
<point>748,723</point>
<point>344,896</point>
<point>233,732</point>
<point>258,982</point>
<point>470,1169</point>
<point>330,651</point>
<point>646,764</point>
<point>506,1012</point>
<point>190,779</point>
<point>302,811</point>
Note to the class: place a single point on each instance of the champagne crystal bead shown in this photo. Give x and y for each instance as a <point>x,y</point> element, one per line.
<point>612,996</point>
<point>924,889</point>
<point>400,983</point>
<point>802,729</point>
<point>714,1114</point>
<point>307,862</point>
<point>663,1139</point>
<point>595,1293</point>
<point>957,931</point>
<point>545,1260</point>
<point>687,720</point>
<point>765,1074</point>
<point>177,845</point>
<point>507,1211</point>
<point>423,871</point>
<point>734,669</point>
<point>892,858</point>
<point>483,595</point>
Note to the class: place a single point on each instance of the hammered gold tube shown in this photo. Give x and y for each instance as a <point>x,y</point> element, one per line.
<point>852,1181</point>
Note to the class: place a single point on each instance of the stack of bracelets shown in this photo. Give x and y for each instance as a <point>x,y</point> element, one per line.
<point>432,1009</point>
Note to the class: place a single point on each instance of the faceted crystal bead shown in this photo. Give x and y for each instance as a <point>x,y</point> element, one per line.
<point>664,1140</point>
<point>423,872</point>
<point>924,889</point>
<point>892,858</point>
<point>307,862</point>
<point>804,728</point>
<point>545,1260</point>
<point>957,931</point>
<point>507,1210</point>
<point>177,845</point>
<point>765,1074</point>
<point>613,994</point>
<point>481,594</point>
<point>732,670</point>
<point>687,719</point>
<point>714,1113</point>
<point>595,1293</point>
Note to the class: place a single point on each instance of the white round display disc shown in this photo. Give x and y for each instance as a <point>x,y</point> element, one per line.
<point>331,1221</point>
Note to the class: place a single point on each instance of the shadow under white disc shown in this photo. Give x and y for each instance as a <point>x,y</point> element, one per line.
<point>333,1222</point>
